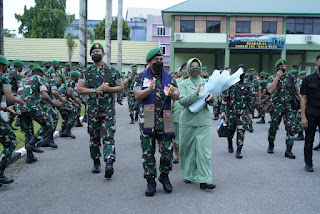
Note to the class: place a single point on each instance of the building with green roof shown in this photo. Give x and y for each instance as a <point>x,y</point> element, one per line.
<point>227,33</point>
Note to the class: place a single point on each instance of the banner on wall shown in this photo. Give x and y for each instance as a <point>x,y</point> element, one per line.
<point>249,41</point>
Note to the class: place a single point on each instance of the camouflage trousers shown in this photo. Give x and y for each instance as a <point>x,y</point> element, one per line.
<point>46,107</point>
<point>119,97</point>
<point>261,110</point>
<point>9,142</point>
<point>298,127</point>
<point>105,128</point>
<point>68,113</point>
<point>131,101</point>
<point>11,118</point>
<point>217,108</point>
<point>289,120</point>
<point>148,146</point>
<point>237,123</point>
<point>41,117</point>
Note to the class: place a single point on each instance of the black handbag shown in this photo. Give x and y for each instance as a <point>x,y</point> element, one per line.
<point>136,105</point>
<point>295,100</point>
<point>222,129</point>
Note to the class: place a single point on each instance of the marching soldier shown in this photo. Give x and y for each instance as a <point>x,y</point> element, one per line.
<point>100,83</point>
<point>54,70</point>
<point>265,98</point>
<point>129,82</point>
<point>299,128</point>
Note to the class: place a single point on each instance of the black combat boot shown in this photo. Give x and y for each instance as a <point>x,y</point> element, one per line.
<point>216,117</point>
<point>137,116</point>
<point>31,145</point>
<point>164,179</point>
<point>151,187</point>
<point>262,121</point>
<point>78,123</point>
<point>109,168</point>
<point>300,136</point>
<point>250,127</point>
<point>204,186</point>
<point>288,153</point>
<point>63,128</point>
<point>51,142</point>
<point>43,142</point>
<point>230,146</point>
<point>30,157</point>
<point>119,102</point>
<point>3,178</point>
<point>67,133</point>
<point>132,120</point>
<point>96,166</point>
<point>270,148</point>
<point>238,153</point>
<point>84,119</point>
<point>317,147</point>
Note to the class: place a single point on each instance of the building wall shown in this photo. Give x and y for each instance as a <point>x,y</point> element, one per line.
<point>201,22</point>
<point>138,31</point>
<point>207,60</point>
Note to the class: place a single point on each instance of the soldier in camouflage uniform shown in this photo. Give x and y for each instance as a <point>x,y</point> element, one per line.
<point>53,70</point>
<point>46,66</point>
<point>100,83</point>
<point>149,88</point>
<point>69,110</point>
<point>256,93</point>
<point>129,83</point>
<point>280,85</point>
<point>75,77</point>
<point>237,105</point>
<point>265,98</point>
<point>67,70</point>
<point>7,137</point>
<point>15,78</point>
<point>32,90</point>
<point>299,128</point>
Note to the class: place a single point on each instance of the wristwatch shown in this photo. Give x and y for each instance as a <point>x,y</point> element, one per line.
<point>94,90</point>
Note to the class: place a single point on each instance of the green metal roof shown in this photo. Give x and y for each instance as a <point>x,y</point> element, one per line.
<point>56,49</point>
<point>245,7</point>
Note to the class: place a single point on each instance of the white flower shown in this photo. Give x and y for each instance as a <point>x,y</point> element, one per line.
<point>146,82</point>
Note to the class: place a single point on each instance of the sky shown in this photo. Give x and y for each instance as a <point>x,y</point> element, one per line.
<point>96,8</point>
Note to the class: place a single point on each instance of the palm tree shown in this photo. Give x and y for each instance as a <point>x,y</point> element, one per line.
<point>119,38</point>
<point>70,40</point>
<point>108,30</point>
<point>1,29</point>
<point>83,13</point>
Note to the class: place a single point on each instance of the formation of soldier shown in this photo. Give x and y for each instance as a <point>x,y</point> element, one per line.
<point>45,93</point>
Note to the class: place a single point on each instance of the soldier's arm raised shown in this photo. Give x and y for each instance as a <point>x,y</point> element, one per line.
<point>272,87</point>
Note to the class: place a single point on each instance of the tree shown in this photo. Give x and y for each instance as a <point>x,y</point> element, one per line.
<point>47,19</point>
<point>99,30</point>
<point>9,33</point>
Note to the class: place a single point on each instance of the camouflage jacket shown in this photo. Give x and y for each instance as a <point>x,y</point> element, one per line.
<point>68,85</point>
<point>131,82</point>
<point>4,85</point>
<point>52,71</point>
<point>158,97</point>
<point>254,85</point>
<point>238,99</point>
<point>282,93</point>
<point>30,91</point>
<point>52,84</point>
<point>15,79</point>
<point>100,105</point>
<point>299,82</point>
<point>66,73</point>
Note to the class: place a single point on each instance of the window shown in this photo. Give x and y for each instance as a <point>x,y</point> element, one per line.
<point>213,26</point>
<point>163,47</point>
<point>187,26</point>
<point>243,27</point>
<point>269,27</point>
<point>303,25</point>
<point>161,31</point>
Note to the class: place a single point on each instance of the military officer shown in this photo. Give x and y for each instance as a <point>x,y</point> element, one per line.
<point>129,83</point>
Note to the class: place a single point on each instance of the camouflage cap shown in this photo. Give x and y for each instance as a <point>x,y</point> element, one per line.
<point>38,68</point>
<point>3,60</point>
<point>96,46</point>
<point>280,62</point>
<point>17,63</point>
<point>154,52</point>
<point>75,74</point>
<point>63,78</point>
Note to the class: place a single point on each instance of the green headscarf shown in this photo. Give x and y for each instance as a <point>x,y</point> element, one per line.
<point>194,72</point>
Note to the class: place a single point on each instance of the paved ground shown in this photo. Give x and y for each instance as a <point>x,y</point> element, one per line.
<point>61,181</point>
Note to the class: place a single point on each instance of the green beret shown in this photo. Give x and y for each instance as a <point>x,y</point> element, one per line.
<point>45,63</point>
<point>252,69</point>
<point>60,66</point>
<point>190,61</point>
<point>246,75</point>
<point>302,73</point>
<point>96,46</point>
<point>18,63</point>
<point>54,62</point>
<point>75,74</point>
<point>293,72</point>
<point>263,72</point>
<point>74,67</point>
<point>38,68</point>
<point>31,65</point>
<point>262,82</point>
<point>203,68</point>
<point>35,64</point>
<point>267,74</point>
<point>67,64</point>
<point>62,77</point>
<point>80,69</point>
<point>280,62</point>
<point>154,52</point>
<point>3,60</point>
<point>135,65</point>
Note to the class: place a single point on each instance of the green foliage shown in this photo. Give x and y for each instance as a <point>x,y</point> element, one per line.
<point>47,19</point>
<point>9,33</point>
<point>99,30</point>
